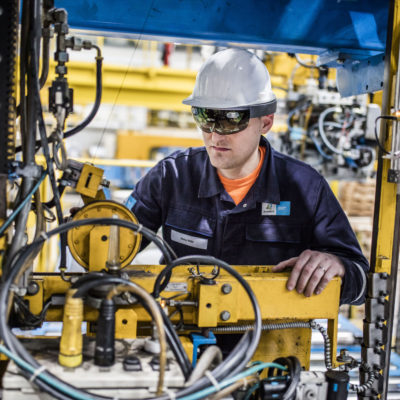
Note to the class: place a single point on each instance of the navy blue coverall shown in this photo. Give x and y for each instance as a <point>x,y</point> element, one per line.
<point>290,208</point>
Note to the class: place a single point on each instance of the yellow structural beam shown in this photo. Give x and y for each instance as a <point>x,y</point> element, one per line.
<point>387,203</point>
<point>156,88</point>
<point>140,146</point>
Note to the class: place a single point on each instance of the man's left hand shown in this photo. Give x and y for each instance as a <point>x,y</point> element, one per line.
<point>312,271</point>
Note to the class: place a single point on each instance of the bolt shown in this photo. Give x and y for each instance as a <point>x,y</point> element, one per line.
<point>226,288</point>
<point>225,315</point>
<point>33,288</point>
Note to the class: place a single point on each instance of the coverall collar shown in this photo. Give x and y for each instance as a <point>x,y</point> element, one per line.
<point>265,189</point>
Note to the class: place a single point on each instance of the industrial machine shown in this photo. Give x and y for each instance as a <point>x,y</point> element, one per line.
<point>150,331</point>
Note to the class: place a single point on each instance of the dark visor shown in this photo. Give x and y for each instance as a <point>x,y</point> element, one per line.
<point>223,122</point>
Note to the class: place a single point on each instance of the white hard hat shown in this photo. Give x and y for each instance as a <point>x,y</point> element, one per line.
<point>234,78</point>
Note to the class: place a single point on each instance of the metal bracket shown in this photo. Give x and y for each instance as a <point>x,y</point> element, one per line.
<point>374,356</point>
<point>356,76</point>
<point>27,171</point>
<point>376,310</point>
<point>393,176</point>
<point>374,334</point>
<point>378,284</point>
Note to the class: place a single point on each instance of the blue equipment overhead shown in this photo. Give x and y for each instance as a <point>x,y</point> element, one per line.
<point>339,31</point>
<point>354,27</point>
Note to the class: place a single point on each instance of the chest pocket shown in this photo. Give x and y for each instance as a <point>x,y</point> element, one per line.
<point>275,233</point>
<point>189,232</point>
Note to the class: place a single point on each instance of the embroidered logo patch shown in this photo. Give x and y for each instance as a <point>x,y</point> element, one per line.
<point>130,202</point>
<point>283,208</point>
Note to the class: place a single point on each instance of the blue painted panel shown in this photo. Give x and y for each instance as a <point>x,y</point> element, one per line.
<point>312,26</point>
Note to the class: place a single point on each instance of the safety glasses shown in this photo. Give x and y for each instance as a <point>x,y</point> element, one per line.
<point>223,122</point>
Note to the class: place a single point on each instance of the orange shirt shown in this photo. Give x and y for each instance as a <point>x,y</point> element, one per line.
<point>238,188</point>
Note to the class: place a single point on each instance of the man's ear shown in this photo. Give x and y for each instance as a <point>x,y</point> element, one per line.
<point>266,123</point>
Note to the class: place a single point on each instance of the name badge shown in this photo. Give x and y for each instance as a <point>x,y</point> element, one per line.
<point>192,241</point>
<point>283,208</point>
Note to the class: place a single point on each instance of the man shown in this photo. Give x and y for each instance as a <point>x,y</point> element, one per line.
<point>241,201</point>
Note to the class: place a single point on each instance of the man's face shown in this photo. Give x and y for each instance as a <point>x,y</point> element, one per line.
<point>236,155</point>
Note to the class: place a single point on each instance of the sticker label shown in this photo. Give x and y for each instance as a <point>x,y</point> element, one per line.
<point>283,208</point>
<point>176,287</point>
<point>130,202</point>
<point>192,241</point>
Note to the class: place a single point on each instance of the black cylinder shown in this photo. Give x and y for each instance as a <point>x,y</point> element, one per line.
<point>104,354</point>
<point>338,385</point>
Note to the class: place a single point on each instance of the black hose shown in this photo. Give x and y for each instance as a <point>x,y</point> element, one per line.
<point>198,260</point>
<point>51,172</point>
<point>45,59</point>
<point>293,371</point>
<point>89,118</point>
<point>240,355</point>
<point>51,203</point>
<point>238,358</point>
<point>99,88</point>
<point>378,142</point>
<point>176,346</point>
<point>172,337</point>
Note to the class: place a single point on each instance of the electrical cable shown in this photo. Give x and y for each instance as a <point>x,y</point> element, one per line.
<point>161,281</point>
<point>321,121</point>
<point>238,358</point>
<point>317,145</point>
<point>210,355</point>
<point>378,142</point>
<point>222,394</point>
<point>176,346</point>
<point>45,59</point>
<point>97,101</point>
<point>93,112</point>
<point>151,304</point>
<point>293,371</point>
<point>250,371</point>
<point>51,203</point>
<point>16,211</point>
<point>303,64</point>
<point>31,320</point>
<point>50,168</point>
<point>172,337</point>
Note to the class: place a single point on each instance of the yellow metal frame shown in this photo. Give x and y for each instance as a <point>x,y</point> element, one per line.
<point>277,304</point>
<point>387,195</point>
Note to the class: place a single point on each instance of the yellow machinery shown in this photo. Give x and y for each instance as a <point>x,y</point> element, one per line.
<point>117,318</point>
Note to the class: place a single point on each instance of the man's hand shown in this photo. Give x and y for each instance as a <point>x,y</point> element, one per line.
<point>312,270</point>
